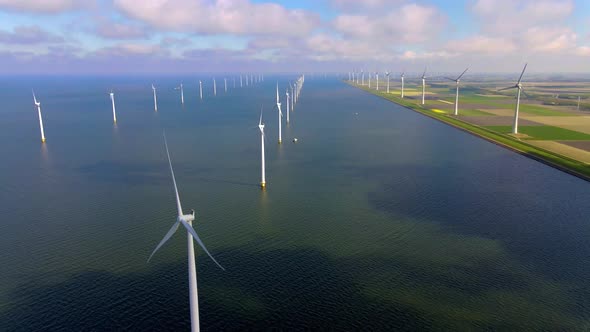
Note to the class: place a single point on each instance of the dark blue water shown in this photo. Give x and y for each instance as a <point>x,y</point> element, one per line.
<point>377,219</point>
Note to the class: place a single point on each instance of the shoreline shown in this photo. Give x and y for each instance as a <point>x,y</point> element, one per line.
<point>549,158</point>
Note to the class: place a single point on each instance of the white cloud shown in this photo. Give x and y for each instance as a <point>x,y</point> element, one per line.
<point>240,17</point>
<point>482,45</point>
<point>410,23</point>
<point>44,6</point>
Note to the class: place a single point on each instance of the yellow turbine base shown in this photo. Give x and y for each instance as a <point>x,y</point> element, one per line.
<point>43,140</point>
<point>262,185</point>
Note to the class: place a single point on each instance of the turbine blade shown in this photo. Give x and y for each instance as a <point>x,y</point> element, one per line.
<point>173,179</point>
<point>523,69</point>
<point>260,122</point>
<point>508,88</point>
<point>34,98</point>
<point>423,74</point>
<point>526,94</point>
<point>277,92</point>
<point>450,79</point>
<point>191,230</point>
<point>166,238</point>
<point>458,78</point>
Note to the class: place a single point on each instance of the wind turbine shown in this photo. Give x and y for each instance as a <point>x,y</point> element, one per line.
<point>377,78</point>
<point>181,93</point>
<point>369,80</point>
<point>38,104</point>
<point>280,115</point>
<point>519,87</point>
<point>155,99</point>
<point>225,83</point>
<point>186,220</point>
<point>387,75</point>
<point>287,93</point>
<point>456,80</point>
<point>423,85</point>
<point>402,84</point>
<point>113,102</point>
<point>263,174</point>
<point>362,77</point>
<point>578,108</point>
<point>201,89</point>
<point>241,85</point>
<point>214,87</point>
<point>292,97</point>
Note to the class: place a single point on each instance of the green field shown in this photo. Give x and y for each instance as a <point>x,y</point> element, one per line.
<point>547,133</point>
<point>474,112</point>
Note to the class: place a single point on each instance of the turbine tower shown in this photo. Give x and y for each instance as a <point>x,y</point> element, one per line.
<point>201,89</point>
<point>187,221</point>
<point>387,75</point>
<point>377,79</point>
<point>214,87</point>
<point>423,85</point>
<point>519,87</point>
<point>225,83</point>
<point>402,84</point>
<point>263,172</point>
<point>155,98</point>
<point>181,88</point>
<point>287,93</point>
<point>280,115</point>
<point>113,102</point>
<point>241,85</point>
<point>38,104</point>
<point>456,80</point>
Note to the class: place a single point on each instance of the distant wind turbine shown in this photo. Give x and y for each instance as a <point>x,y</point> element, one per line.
<point>214,87</point>
<point>113,102</point>
<point>186,220</point>
<point>225,83</point>
<point>38,104</point>
<point>578,108</point>
<point>201,89</point>
<point>369,80</point>
<point>280,116</point>
<point>423,85</point>
<point>287,93</point>
<point>387,75</point>
<point>377,79</point>
<point>402,84</point>
<point>456,80</point>
<point>155,98</point>
<point>263,171</point>
<point>241,85</point>
<point>181,88</point>
<point>519,87</point>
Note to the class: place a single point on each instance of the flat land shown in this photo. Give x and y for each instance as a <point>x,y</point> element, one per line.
<point>552,126</point>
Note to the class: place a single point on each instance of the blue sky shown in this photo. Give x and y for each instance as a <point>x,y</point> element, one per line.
<point>98,36</point>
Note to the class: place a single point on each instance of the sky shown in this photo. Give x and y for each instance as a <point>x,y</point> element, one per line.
<point>194,36</point>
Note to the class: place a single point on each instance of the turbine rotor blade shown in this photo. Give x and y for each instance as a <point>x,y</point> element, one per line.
<point>178,206</point>
<point>508,88</point>
<point>523,69</point>
<point>192,231</point>
<point>166,238</point>
<point>34,98</point>
<point>458,78</point>
<point>450,79</point>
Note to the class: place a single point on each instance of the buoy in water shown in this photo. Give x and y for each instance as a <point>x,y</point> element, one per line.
<point>295,140</point>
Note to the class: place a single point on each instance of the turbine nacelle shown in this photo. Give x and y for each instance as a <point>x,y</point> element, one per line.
<point>187,217</point>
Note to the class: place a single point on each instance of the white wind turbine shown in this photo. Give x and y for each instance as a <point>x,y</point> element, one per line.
<point>377,78</point>
<point>214,87</point>
<point>280,115</point>
<point>263,171</point>
<point>423,85</point>
<point>225,83</point>
<point>292,97</point>
<point>287,93</point>
<point>369,80</point>
<point>402,76</point>
<point>155,98</point>
<point>186,221</point>
<point>362,77</point>
<point>113,102</point>
<point>181,88</point>
<point>241,85</point>
<point>456,80</point>
<point>387,75</point>
<point>201,89</point>
<point>38,104</point>
<point>519,87</point>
